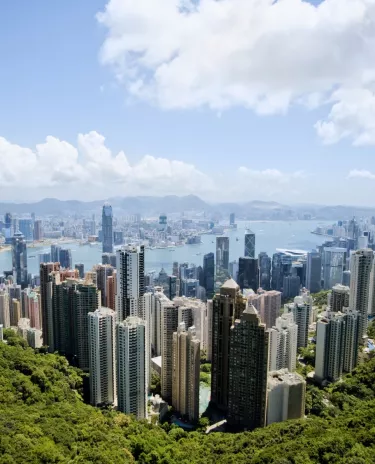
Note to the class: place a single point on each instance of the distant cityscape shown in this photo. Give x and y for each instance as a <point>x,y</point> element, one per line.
<point>244,320</point>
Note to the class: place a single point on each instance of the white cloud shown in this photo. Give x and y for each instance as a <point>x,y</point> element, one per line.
<point>261,54</point>
<point>361,174</point>
<point>90,171</point>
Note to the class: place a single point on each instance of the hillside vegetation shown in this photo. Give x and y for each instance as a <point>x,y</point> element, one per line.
<point>43,420</point>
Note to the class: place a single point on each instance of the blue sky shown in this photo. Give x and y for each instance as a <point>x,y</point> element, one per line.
<point>63,73</point>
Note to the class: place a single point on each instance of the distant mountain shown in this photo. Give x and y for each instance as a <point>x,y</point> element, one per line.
<point>152,206</point>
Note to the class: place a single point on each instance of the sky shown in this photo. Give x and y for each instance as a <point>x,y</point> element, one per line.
<point>230,100</point>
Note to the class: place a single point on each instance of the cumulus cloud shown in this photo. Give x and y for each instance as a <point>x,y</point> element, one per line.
<point>89,170</point>
<point>58,168</point>
<point>265,55</point>
<point>361,174</point>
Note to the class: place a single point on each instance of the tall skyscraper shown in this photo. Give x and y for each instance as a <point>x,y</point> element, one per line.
<point>222,255</point>
<point>286,396</point>
<point>346,278</point>
<point>8,228</point>
<point>264,271</point>
<point>26,228</point>
<point>132,375</point>
<point>107,218</point>
<point>336,344</point>
<point>103,271</point>
<point>269,307</point>
<point>169,324</point>
<point>4,308</point>
<point>55,253</point>
<point>277,272</point>
<point>46,269</point>
<point>248,367</point>
<point>109,258</point>
<point>232,219</point>
<point>185,372</point>
<point>19,259</point>
<point>111,290</point>
<point>130,281</point>
<point>102,356</point>
<point>228,306</point>
<point>338,298</point>
<point>250,244</point>
<point>283,343</point>
<point>291,286</point>
<point>248,273</point>
<point>333,266</point>
<point>371,302</point>
<point>209,274</point>
<point>65,258</point>
<point>360,270</point>
<point>38,230</point>
<point>314,272</point>
<point>301,309</point>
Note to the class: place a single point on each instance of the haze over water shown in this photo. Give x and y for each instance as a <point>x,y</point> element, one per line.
<point>269,236</point>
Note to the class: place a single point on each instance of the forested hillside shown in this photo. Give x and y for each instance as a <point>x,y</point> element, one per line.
<point>43,420</point>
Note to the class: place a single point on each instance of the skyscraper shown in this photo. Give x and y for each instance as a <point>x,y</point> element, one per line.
<point>81,269</point>
<point>338,298</point>
<point>38,230</point>
<point>314,272</point>
<point>185,372</point>
<point>103,271</point>
<point>371,302</point>
<point>19,259</point>
<point>65,258</point>
<point>209,274</point>
<point>8,228</point>
<point>228,306</point>
<point>102,356</point>
<point>301,309</point>
<point>4,309</point>
<point>55,253</point>
<point>222,255</point>
<point>333,266</point>
<point>250,244</point>
<point>264,271</point>
<point>336,344</point>
<point>26,228</point>
<point>107,218</point>
<point>269,307</point>
<point>248,367</point>
<point>130,281</point>
<point>46,303</point>
<point>169,324</point>
<point>232,219</point>
<point>283,343</point>
<point>291,286</point>
<point>360,270</point>
<point>111,290</point>
<point>277,272</point>
<point>286,396</point>
<point>132,375</point>
<point>248,273</point>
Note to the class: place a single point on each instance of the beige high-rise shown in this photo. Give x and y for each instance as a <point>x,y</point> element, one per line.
<point>186,370</point>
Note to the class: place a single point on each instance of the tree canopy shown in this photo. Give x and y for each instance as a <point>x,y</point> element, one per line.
<point>44,420</point>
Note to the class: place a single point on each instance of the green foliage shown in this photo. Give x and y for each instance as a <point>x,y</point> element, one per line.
<point>155,384</point>
<point>308,354</point>
<point>371,329</point>
<point>44,420</point>
<point>320,298</point>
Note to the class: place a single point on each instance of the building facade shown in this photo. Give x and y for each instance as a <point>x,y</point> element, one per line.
<point>107,228</point>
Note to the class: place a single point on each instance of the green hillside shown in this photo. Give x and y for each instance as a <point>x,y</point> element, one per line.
<point>43,420</point>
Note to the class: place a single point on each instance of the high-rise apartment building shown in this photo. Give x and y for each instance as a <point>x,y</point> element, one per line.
<point>107,227</point>
<point>264,271</point>
<point>371,303</point>
<point>111,290</point>
<point>268,305</point>
<point>132,375</point>
<point>103,271</point>
<point>4,308</point>
<point>46,269</point>
<point>283,343</point>
<point>248,273</point>
<point>102,367</point>
<point>209,274</point>
<point>185,372</point>
<point>248,367</point>
<point>222,255</point>
<point>336,344</point>
<point>38,230</point>
<point>169,324</point>
<point>360,270</point>
<point>228,306</point>
<point>130,281</point>
<point>286,396</point>
<point>314,272</point>
<point>14,312</point>
<point>250,244</point>
<point>301,309</point>
<point>338,298</point>
<point>333,266</point>
<point>19,259</point>
<point>209,315</point>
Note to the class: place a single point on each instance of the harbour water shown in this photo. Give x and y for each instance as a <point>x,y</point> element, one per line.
<point>269,236</point>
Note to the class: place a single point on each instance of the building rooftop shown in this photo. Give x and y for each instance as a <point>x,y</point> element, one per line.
<point>283,376</point>
<point>230,283</point>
